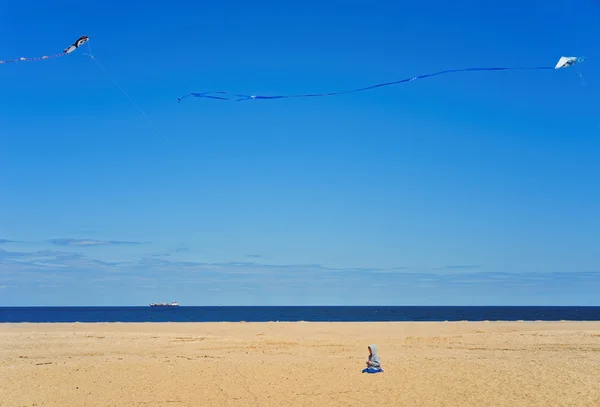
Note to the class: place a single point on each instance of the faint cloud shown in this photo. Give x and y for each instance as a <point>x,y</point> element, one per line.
<point>6,241</point>
<point>69,268</point>
<point>4,254</point>
<point>68,265</point>
<point>182,250</point>
<point>393,270</point>
<point>90,242</point>
<point>254,256</point>
<point>497,276</point>
<point>288,267</point>
<point>461,266</point>
<point>474,281</point>
<point>47,259</point>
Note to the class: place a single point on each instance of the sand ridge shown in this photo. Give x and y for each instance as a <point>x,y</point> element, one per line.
<point>300,364</point>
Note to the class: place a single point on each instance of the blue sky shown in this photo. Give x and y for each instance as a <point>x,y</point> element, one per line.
<point>475,188</point>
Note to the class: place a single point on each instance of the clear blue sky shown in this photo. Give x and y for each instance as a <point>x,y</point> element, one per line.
<point>475,188</point>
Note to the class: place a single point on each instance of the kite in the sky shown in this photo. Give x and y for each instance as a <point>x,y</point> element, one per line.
<point>563,62</point>
<point>80,41</point>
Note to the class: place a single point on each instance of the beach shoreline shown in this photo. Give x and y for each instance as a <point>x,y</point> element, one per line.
<point>454,363</point>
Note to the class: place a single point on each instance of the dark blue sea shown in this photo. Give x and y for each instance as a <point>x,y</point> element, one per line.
<point>323,313</point>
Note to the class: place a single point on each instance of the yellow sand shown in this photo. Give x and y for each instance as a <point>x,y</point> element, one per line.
<point>300,364</point>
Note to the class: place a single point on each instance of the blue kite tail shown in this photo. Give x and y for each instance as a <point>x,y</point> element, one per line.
<point>239,97</point>
<point>200,95</point>
<point>373,370</point>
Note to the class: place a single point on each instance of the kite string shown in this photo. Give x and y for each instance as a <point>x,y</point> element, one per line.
<point>581,77</point>
<point>124,92</point>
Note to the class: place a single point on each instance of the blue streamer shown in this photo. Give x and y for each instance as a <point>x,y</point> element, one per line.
<point>241,97</point>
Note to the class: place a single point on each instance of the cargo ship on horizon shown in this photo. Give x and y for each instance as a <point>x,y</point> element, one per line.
<point>165,304</point>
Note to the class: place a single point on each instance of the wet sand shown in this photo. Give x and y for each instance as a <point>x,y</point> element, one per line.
<point>300,364</point>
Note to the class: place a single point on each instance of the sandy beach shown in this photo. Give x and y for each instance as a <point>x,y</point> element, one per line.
<point>300,364</point>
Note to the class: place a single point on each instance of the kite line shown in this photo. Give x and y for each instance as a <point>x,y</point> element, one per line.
<point>562,63</point>
<point>124,92</point>
<point>78,43</point>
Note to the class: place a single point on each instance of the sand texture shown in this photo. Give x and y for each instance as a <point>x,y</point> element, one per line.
<point>300,364</point>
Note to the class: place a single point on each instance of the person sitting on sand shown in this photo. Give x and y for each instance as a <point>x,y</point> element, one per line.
<point>374,362</point>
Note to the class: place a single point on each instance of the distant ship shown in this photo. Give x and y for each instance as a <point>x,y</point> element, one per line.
<point>165,304</point>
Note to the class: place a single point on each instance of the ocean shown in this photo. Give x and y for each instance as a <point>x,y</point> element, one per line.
<point>291,313</point>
